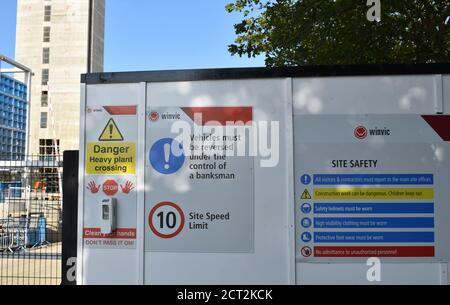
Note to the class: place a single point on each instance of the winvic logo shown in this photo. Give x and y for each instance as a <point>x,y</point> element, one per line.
<point>361,132</point>
<point>90,110</point>
<point>155,116</point>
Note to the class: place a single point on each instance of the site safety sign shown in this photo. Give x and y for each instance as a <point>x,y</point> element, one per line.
<point>199,198</point>
<point>378,184</point>
<point>110,162</point>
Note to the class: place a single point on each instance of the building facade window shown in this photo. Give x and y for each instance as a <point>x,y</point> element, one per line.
<point>49,151</point>
<point>46,55</point>
<point>45,75</point>
<point>47,13</point>
<point>46,34</point>
<point>48,147</point>
<point>44,99</point>
<point>44,120</point>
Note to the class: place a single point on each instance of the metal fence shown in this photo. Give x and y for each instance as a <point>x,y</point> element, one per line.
<point>30,220</point>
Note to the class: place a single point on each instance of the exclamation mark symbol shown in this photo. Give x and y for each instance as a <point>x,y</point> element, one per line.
<point>111,131</point>
<point>166,155</point>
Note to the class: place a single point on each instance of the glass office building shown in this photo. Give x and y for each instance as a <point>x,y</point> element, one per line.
<point>13,118</point>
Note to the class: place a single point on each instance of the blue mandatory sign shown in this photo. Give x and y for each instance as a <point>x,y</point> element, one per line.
<point>306,208</point>
<point>306,179</point>
<point>306,237</point>
<point>166,156</point>
<point>306,223</point>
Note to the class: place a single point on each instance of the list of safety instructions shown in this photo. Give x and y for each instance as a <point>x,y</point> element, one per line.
<point>355,201</point>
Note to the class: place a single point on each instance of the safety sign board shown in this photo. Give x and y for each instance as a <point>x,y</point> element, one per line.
<point>378,185</point>
<point>199,195</point>
<point>111,158</point>
<point>110,162</point>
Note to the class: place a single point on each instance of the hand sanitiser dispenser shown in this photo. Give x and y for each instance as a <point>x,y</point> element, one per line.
<point>108,215</point>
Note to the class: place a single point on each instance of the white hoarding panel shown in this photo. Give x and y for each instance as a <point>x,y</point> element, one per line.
<point>402,94</point>
<point>110,162</point>
<point>372,186</point>
<point>236,218</point>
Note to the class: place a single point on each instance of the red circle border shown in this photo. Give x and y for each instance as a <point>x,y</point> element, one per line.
<point>152,227</point>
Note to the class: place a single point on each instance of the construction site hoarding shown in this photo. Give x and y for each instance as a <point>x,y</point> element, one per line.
<point>265,176</point>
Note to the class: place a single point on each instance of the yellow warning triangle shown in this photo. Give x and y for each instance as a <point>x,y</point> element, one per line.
<point>306,195</point>
<point>111,132</point>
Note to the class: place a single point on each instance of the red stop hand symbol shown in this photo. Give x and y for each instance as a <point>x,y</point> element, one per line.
<point>93,187</point>
<point>127,188</point>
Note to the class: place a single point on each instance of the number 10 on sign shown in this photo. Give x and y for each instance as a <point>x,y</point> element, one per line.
<point>166,220</point>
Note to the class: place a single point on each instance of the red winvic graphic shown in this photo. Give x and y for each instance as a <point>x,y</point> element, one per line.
<point>220,115</point>
<point>121,110</point>
<point>361,132</point>
<point>440,124</point>
<point>110,187</point>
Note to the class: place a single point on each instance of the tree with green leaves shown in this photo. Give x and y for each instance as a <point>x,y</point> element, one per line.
<point>323,32</point>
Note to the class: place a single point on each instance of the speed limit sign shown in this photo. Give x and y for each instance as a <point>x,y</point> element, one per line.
<point>166,220</point>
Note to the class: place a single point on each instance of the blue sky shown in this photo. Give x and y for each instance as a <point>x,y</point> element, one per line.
<point>157,34</point>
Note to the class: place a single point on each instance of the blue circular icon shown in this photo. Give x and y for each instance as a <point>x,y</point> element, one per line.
<point>306,223</point>
<point>306,208</point>
<point>306,237</point>
<point>306,179</point>
<point>166,156</point>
